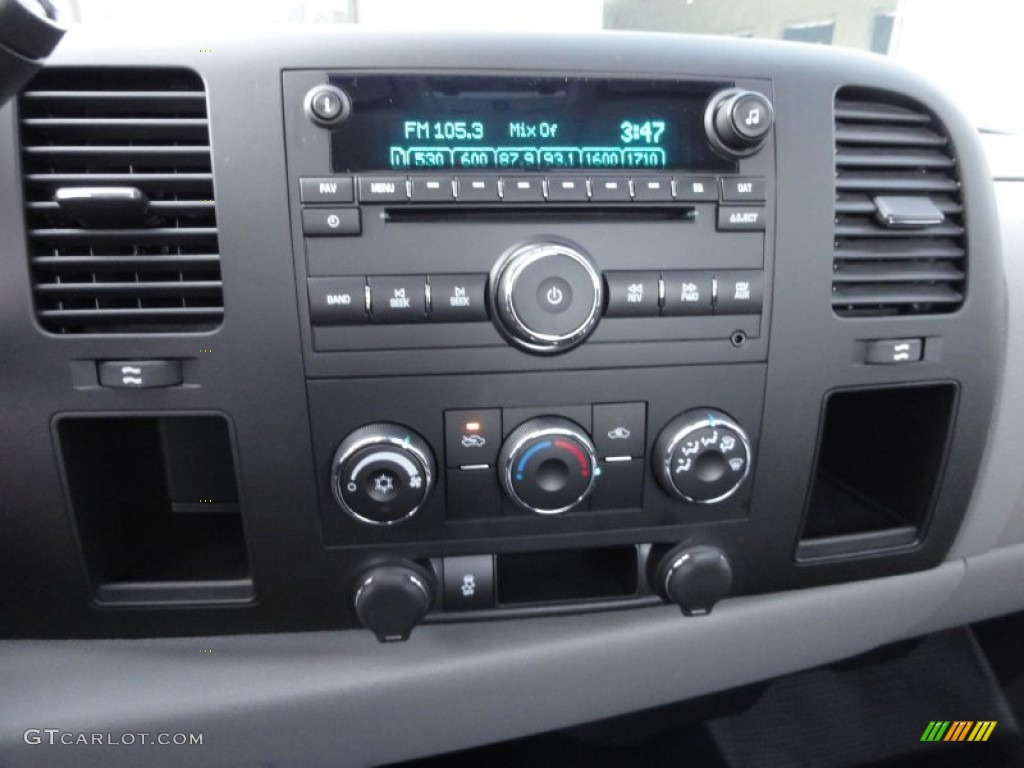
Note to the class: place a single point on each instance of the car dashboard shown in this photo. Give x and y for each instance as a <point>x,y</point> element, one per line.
<point>368,396</point>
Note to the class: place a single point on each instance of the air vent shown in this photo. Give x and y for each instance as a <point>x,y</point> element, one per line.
<point>119,201</point>
<point>899,235</point>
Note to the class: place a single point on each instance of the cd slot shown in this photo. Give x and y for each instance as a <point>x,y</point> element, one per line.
<point>540,212</point>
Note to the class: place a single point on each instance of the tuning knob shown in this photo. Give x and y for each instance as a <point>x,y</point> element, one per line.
<point>382,474</point>
<point>547,296</point>
<point>702,456</point>
<point>548,465</point>
<point>390,600</point>
<point>695,577</point>
<point>737,121</point>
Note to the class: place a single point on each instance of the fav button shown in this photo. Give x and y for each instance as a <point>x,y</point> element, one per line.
<point>337,189</point>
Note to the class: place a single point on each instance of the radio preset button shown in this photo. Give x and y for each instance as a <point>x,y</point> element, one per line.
<point>740,218</point>
<point>337,300</point>
<point>697,189</point>
<point>330,222</point>
<point>383,189</point>
<point>398,299</point>
<point>522,189</point>
<point>336,189</point>
<point>687,293</point>
<point>457,298</point>
<point>609,189</point>
<point>477,190</point>
<point>650,190</point>
<point>567,189</point>
<point>431,190</point>
<point>632,294</point>
<point>740,190</point>
<point>739,292</point>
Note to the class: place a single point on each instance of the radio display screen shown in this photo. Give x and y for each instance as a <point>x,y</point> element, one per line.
<point>473,123</point>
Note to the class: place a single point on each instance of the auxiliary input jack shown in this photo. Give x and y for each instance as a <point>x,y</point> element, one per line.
<point>738,338</point>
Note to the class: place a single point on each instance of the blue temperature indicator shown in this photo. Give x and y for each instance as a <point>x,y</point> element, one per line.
<point>526,457</point>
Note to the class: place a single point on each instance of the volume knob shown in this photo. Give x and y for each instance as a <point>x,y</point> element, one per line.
<point>547,296</point>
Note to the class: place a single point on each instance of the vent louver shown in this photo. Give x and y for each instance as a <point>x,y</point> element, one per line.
<point>890,150</point>
<point>150,264</point>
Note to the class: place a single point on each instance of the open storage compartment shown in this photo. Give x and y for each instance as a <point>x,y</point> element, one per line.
<point>880,458</point>
<point>156,506</point>
<point>567,575</point>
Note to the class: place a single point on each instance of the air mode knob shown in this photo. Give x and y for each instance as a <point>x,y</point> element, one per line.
<point>547,465</point>
<point>702,456</point>
<point>737,121</point>
<point>382,473</point>
<point>547,296</point>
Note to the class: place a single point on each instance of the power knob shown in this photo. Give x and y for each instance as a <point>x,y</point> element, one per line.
<point>547,296</point>
<point>382,473</point>
<point>737,121</point>
<point>702,456</point>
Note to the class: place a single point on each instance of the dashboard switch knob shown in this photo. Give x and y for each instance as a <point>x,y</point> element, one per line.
<point>327,105</point>
<point>390,600</point>
<point>547,465</point>
<point>695,577</point>
<point>547,296</point>
<point>702,456</point>
<point>382,473</point>
<point>737,121</point>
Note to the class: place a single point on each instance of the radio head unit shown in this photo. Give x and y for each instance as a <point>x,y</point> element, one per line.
<point>467,123</point>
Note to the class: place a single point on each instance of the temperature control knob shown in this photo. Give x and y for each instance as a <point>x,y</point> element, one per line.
<point>547,296</point>
<point>382,473</point>
<point>702,456</point>
<point>737,122</point>
<point>547,465</point>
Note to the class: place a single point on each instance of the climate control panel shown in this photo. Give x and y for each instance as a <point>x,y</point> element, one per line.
<point>545,465</point>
